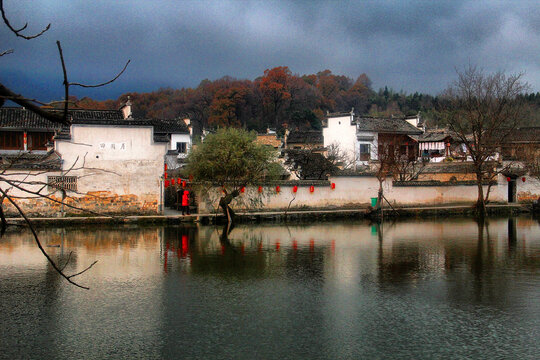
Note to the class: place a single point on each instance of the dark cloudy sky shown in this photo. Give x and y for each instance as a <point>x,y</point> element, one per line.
<point>406,45</point>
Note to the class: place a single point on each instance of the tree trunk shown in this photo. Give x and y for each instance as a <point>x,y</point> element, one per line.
<point>224,204</point>
<point>480,203</point>
<point>379,195</point>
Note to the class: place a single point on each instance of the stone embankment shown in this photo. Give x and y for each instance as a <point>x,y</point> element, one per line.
<point>278,216</point>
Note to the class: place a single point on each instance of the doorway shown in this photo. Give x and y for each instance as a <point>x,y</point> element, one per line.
<point>512,191</point>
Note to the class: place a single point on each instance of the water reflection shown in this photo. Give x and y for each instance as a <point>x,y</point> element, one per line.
<point>329,290</point>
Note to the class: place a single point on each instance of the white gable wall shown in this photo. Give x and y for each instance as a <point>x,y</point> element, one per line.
<point>340,131</point>
<point>118,161</point>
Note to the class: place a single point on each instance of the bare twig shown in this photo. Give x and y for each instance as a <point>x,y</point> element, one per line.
<point>67,261</point>
<point>6,52</point>
<point>17,32</point>
<point>104,83</point>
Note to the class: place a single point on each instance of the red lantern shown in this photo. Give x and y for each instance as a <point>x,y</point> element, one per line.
<point>523,179</point>
<point>508,179</point>
<point>167,183</point>
<point>333,186</point>
<point>165,167</point>
<point>184,183</point>
<point>278,189</point>
<point>295,189</point>
<point>165,175</point>
<point>243,189</point>
<point>173,181</point>
<point>260,189</point>
<point>311,188</point>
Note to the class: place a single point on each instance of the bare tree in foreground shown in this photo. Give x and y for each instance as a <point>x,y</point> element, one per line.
<point>482,110</point>
<point>32,188</point>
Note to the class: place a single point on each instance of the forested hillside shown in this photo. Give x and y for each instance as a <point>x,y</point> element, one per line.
<point>280,99</point>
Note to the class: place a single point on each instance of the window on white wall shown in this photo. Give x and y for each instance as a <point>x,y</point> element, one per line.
<point>62,183</point>
<point>365,152</point>
<point>181,147</point>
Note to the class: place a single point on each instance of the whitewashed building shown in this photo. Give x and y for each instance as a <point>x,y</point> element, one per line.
<point>105,161</point>
<point>361,138</point>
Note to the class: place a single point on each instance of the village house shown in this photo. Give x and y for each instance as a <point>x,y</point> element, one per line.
<point>307,140</point>
<point>105,161</point>
<point>269,138</point>
<point>436,145</point>
<point>364,139</point>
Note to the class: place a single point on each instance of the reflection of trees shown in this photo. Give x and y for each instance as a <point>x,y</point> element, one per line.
<point>479,265</point>
<point>306,263</point>
<point>229,260</point>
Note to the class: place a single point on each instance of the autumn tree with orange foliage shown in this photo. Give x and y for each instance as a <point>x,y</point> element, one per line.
<point>274,86</point>
<point>226,107</point>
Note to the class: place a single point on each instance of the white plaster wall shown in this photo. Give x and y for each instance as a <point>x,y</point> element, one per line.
<point>528,190</point>
<point>357,192</point>
<point>340,131</point>
<point>374,144</point>
<point>180,138</point>
<point>33,181</point>
<point>132,167</point>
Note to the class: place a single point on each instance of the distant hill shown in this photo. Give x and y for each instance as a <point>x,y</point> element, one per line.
<point>280,99</point>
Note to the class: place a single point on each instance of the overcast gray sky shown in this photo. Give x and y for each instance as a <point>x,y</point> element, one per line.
<point>406,45</point>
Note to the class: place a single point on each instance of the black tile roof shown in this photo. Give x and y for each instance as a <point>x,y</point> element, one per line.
<point>96,114</point>
<point>524,135</point>
<point>434,135</point>
<point>305,137</point>
<point>21,119</point>
<point>30,160</point>
<point>386,126</point>
<point>338,114</point>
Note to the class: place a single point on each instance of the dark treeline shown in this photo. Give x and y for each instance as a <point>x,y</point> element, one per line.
<point>280,99</point>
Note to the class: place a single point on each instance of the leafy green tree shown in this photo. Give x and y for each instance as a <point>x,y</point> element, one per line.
<point>232,159</point>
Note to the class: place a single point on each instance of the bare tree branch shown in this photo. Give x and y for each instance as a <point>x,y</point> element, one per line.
<point>6,52</point>
<point>24,102</point>
<point>66,83</point>
<point>38,243</point>
<point>17,32</point>
<point>104,83</point>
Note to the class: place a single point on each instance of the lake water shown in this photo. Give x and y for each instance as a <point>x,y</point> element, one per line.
<point>339,290</point>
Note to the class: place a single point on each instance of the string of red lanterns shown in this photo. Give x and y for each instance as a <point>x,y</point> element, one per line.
<point>179,181</point>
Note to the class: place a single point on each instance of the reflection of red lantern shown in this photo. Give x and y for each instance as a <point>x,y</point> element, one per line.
<point>508,179</point>
<point>190,177</point>
<point>333,186</point>
<point>166,183</point>
<point>311,188</point>
<point>523,179</point>
<point>184,183</point>
<point>243,189</point>
<point>278,188</point>
<point>260,189</point>
<point>294,188</point>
